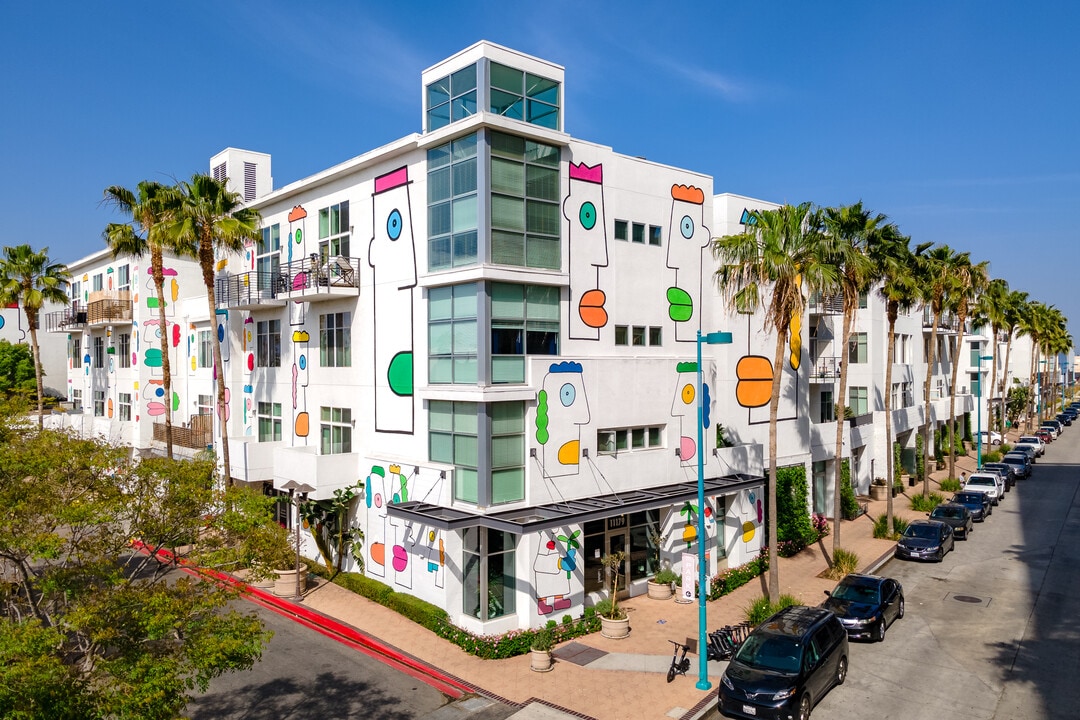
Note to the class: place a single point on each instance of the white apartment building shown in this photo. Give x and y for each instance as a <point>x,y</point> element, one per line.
<point>492,327</point>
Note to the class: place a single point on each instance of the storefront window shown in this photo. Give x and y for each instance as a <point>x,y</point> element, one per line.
<point>645,542</point>
<point>488,581</point>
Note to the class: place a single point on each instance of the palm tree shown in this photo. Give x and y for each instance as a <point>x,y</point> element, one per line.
<point>934,266</point>
<point>780,251</point>
<point>989,309</point>
<point>850,229</point>
<point>968,283</point>
<point>212,219</point>
<point>899,290</point>
<point>1013,307</point>
<point>149,207</point>
<point>31,279</point>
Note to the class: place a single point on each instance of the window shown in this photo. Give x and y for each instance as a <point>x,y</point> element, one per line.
<point>656,336</point>
<point>524,321</point>
<point>452,439</point>
<point>858,400</point>
<point>976,385</point>
<point>976,353</point>
<point>268,256</point>
<point>75,350</point>
<point>655,235</point>
<point>613,441</point>
<point>488,581</point>
<point>98,281</point>
<point>638,233</point>
<point>828,407</point>
<point>637,335</point>
<point>862,300</point>
<point>452,334</point>
<point>452,204</point>
<point>206,349</point>
<point>76,291</point>
<point>507,452</point>
<point>123,277</point>
<point>268,343</point>
<point>99,352</point>
<point>269,416</point>
<point>205,405</point>
<point>622,230</point>
<point>857,348</point>
<point>335,431</point>
<point>524,96</point>
<point>125,350</point>
<point>334,231</point>
<point>99,403</point>
<point>451,98</point>
<point>76,400</point>
<point>124,406</point>
<point>525,215</point>
<point>622,335</point>
<point>644,551</point>
<point>335,340</point>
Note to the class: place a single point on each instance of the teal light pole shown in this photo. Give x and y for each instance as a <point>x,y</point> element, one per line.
<point>978,403</point>
<point>713,338</point>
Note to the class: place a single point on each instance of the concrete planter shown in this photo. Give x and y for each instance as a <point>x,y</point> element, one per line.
<point>285,585</point>
<point>614,629</point>
<point>540,661</point>
<point>660,591</point>
<point>879,492</point>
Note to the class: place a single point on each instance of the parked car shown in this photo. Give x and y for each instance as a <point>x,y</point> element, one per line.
<point>955,515</point>
<point>785,665</point>
<point>1020,462</point>
<point>925,540</point>
<point>1065,418</point>
<point>977,503</point>
<point>989,437</point>
<point>866,604</point>
<point>1004,470</point>
<point>1053,426</point>
<point>989,483</point>
<point>1045,435</point>
<point>1028,450</point>
<point>1040,446</point>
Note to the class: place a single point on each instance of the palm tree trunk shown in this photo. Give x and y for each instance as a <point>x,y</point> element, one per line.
<point>1004,381</point>
<point>206,261</point>
<point>157,270</point>
<point>993,381</point>
<point>39,373</point>
<point>889,469</point>
<point>961,318</point>
<point>840,421</point>
<point>927,433</point>
<point>774,411</point>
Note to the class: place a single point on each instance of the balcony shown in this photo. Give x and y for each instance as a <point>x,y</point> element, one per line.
<point>109,307</point>
<point>197,434</point>
<point>250,290</point>
<point>826,304</point>
<point>825,369</point>
<point>317,278</point>
<point>68,320</point>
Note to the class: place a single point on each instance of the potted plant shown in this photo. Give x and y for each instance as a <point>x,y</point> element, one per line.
<point>879,490</point>
<point>613,620</point>
<point>540,650</point>
<point>661,584</point>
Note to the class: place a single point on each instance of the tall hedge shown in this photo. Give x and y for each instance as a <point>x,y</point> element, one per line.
<point>792,509</point>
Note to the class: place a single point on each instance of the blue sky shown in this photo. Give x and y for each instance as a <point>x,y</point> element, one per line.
<point>958,120</point>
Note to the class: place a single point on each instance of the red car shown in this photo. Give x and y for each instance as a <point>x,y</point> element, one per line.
<point>1045,435</point>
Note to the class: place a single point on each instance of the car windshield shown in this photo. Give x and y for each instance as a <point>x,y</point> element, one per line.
<point>778,653</point>
<point>1029,439</point>
<point>856,592</point>
<point>924,532</point>
<point>969,498</point>
<point>946,512</point>
<point>981,481</point>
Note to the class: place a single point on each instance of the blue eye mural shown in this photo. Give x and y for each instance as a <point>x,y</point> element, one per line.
<point>686,227</point>
<point>393,225</point>
<point>587,215</point>
<point>567,394</point>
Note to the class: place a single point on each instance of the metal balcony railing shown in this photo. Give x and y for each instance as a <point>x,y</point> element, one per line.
<point>72,318</point>
<point>99,312</point>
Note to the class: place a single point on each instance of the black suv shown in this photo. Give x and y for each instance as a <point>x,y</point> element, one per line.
<point>785,666</point>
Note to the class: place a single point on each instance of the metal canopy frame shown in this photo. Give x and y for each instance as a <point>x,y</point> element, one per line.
<point>557,514</point>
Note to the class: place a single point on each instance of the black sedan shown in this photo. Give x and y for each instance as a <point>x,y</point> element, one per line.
<point>925,540</point>
<point>866,604</point>
<point>955,515</point>
<point>977,503</point>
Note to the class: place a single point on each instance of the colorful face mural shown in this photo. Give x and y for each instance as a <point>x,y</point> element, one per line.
<point>557,560</point>
<point>689,516</point>
<point>685,407</point>
<point>561,409</point>
<point>687,236</point>
<point>754,374</point>
<point>402,552</point>
<point>583,208</point>
<point>392,255</point>
<point>747,511</point>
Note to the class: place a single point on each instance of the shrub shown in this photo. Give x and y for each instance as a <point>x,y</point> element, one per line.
<point>843,562</point>
<point>665,576</point>
<point>792,513</point>
<point>543,639</point>
<point>849,506</point>
<point>920,467</point>
<point>1004,448</point>
<point>761,609</point>
<point>991,456</point>
<point>821,525</point>
<point>950,485</point>
<point>731,579</point>
<point>880,530</point>
<point>608,609</point>
<point>899,524</point>
<point>926,503</point>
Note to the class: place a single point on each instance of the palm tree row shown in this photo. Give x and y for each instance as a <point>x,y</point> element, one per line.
<point>199,218</point>
<point>791,253</point>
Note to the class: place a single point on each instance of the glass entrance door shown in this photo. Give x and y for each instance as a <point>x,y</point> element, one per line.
<point>617,541</point>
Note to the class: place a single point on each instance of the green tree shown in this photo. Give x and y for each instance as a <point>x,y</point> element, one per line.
<point>969,281</point>
<point>149,207</point>
<point>766,268</point>
<point>91,628</point>
<point>16,368</point>
<point>31,279</point>
<point>211,220</point>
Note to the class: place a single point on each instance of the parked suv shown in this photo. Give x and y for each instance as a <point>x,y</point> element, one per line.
<point>1004,470</point>
<point>1053,426</point>
<point>1040,448</point>
<point>989,483</point>
<point>786,665</point>
<point>1020,462</point>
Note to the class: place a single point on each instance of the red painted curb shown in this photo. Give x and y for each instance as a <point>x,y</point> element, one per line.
<point>327,626</point>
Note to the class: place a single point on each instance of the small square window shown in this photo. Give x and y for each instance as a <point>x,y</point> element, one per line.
<point>637,438</point>
<point>621,335</point>
<point>654,235</point>
<point>639,335</point>
<point>621,230</point>
<point>655,336</point>
<point>620,439</point>
<point>605,441</point>
<point>654,437</point>
<point>639,233</point>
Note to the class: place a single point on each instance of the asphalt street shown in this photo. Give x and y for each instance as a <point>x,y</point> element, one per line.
<point>989,632</point>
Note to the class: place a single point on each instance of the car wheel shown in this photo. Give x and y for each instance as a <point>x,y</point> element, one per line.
<point>841,670</point>
<point>879,634</point>
<point>804,708</point>
<point>900,611</point>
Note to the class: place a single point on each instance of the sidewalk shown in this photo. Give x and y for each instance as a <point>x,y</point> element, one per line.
<point>620,678</point>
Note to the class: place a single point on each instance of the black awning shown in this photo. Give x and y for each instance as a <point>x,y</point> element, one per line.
<point>557,514</point>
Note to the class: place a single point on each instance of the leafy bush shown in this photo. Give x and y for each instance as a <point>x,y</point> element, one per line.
<point>899,524</point>
<point>881,531</point>
<point>543,639</point>
<point>1004,448</point>
<point>950,485</point>
<point>849,506</point>
<point>731,579</point>
<point>821,525</point>
<point>843,562</point>
<point>926,503</point>
<point>920,466</point>
<point>793,523</point>
<point>610,610</point>
<point>761,609</point>
<point>665,576</point>
<point>991,456</point>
